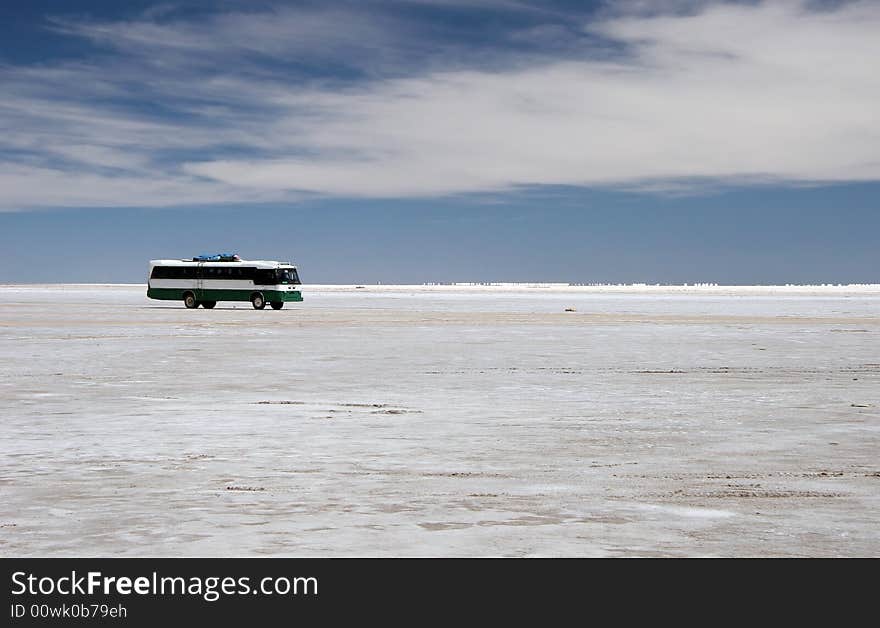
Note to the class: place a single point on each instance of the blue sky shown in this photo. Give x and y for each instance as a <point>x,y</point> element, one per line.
<point>434,140</point>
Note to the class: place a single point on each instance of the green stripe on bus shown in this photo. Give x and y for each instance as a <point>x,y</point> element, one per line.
<point>176,294</point>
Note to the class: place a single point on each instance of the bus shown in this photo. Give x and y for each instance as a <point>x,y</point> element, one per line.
<point>206,279</point>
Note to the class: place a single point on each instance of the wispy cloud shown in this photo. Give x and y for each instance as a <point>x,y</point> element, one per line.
<point>247,107</point>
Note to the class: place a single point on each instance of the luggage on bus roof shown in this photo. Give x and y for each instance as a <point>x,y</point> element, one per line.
<point>217,257</point>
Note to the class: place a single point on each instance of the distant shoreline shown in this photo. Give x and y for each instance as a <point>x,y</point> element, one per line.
<point>532,288</point>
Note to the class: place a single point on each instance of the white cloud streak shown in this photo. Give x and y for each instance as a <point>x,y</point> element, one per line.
<point>770,92</point>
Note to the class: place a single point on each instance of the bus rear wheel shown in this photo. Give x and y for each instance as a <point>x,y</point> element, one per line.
<point>277,305</point>
<point>209,305</point>
<point>258,301</point>
<point>189,300</point>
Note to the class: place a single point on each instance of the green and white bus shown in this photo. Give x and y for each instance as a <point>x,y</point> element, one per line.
<point>206,279</point>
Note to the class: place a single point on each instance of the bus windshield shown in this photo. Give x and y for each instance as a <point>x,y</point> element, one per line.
<point>287,275</point>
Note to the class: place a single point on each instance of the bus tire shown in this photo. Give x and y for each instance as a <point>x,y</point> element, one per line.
<point>209,305</point>
<point>258,300</point>
<point>189,300</point>
<point>277,305</point>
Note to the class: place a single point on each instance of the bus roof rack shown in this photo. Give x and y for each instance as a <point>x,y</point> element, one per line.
<point>217,257</point>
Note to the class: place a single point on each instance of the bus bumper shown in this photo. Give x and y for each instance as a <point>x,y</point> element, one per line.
<point>282,295</point>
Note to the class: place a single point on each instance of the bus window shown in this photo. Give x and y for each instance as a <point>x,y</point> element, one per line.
<point>188,272</point>
<point>264,277</point>
<point>288,275</point>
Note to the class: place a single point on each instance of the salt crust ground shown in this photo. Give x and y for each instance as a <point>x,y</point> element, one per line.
<point>449,420</point>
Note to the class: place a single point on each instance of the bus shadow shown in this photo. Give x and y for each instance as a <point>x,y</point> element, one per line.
<point>171,307</point>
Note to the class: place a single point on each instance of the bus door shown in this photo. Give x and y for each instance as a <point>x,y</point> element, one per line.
<point>200,281</point>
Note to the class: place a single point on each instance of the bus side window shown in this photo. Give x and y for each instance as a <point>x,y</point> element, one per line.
<point>263,276</point>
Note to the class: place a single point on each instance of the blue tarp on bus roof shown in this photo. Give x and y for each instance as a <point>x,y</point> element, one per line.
<point>215,257</point>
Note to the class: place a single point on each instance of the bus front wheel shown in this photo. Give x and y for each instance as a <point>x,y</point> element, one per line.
<point>258,301</point>
<point>277,305</point>
<point>189,300</point>
<point>209,305</point>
